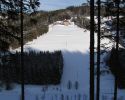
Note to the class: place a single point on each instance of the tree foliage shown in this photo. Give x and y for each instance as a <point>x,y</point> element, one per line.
<point>9,16</point>
<point>40,68</point>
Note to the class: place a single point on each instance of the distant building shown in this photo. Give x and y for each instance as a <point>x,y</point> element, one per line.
<point>66,22</point>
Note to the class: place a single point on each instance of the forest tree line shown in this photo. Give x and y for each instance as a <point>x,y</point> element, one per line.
<point>40,68</point>
<point>117,66</point>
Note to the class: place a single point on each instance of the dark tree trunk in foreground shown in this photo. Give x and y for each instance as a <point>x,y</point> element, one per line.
<point>22,58</point>
<point>92,50</point>
<point>117,48</point>
<point>98,54</point>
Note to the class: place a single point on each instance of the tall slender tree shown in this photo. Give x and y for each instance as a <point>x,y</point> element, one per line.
<point>10,10</point>
<point>98,53</point>
<point>117,46</point>
<point>91,49</point>
<point>22,55</point>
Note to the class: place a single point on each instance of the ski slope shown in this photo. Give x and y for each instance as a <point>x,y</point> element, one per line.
<point>74,43</point>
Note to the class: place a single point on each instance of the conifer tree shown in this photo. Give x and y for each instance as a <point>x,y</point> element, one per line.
<point>9,16</point>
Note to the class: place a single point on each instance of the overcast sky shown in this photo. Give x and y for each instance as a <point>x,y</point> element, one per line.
<point>58,4</point>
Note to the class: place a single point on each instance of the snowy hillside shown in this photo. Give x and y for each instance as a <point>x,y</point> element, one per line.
<point>74,44</point>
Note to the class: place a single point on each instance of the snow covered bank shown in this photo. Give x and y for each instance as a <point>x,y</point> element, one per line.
<point>74,44</point>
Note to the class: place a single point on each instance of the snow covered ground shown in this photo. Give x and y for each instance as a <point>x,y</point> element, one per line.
<point>74,44</point>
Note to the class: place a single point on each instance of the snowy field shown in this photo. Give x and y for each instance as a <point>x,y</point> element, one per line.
<point>74,44</point>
